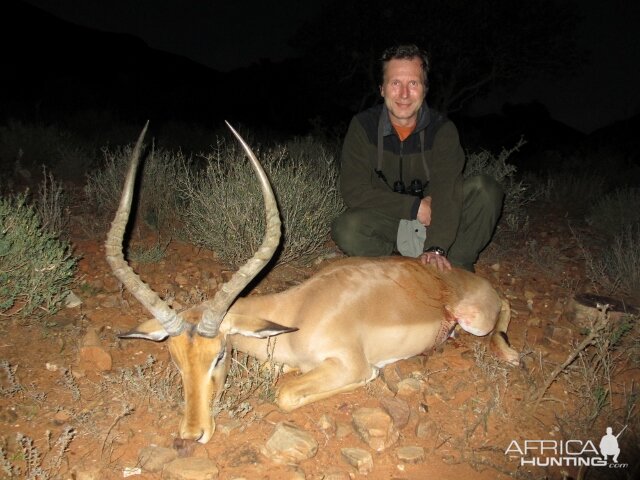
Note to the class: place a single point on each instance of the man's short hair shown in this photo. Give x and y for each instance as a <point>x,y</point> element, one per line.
<point>404,52</point>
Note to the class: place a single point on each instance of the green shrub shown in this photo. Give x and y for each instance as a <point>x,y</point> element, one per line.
<point>36,269</point>
<point>621,262</point>
<point>612,214</point>
<point>157,192</point>
<point>517,193</point>
<point>24,148</point>
<point>52,205</point>
<point>224,208</point>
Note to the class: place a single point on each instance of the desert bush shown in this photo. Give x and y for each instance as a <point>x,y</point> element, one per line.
<point>620,262</point>
<point>248,378</point>
<point>574,191</point>
<point>594,375</point>
<point>51,205</point>
<point>224,209</point>
<point>157,195</point>
<point>36,268</point>
<point>25,147</point>
<point>517,193</point>
<point>36,465</point>
<point>612,214</point>
<point>151,381</point>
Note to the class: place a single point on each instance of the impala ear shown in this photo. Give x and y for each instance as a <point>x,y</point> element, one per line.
<point>251,326</point>
<point>149,330</point>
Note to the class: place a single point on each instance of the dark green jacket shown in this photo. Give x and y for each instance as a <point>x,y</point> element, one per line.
<point>361,187</point>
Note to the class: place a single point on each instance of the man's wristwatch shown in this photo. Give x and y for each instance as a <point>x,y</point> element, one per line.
<point>436,250</point>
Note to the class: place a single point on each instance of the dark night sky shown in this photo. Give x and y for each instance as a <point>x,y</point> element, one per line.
<point>226,35</point>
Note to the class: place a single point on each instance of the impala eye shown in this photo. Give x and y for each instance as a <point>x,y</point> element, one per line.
<point>219,358</point>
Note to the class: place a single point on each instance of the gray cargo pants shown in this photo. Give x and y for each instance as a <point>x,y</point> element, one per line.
<point>370,233</point>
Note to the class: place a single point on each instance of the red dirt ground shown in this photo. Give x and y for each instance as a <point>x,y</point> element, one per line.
<point>475,415</point>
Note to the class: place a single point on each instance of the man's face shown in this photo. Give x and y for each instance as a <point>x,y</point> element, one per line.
<point>403,90</point>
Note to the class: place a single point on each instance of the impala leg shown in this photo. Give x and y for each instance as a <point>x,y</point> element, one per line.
<point>499,339</point>
<point>330,377</point>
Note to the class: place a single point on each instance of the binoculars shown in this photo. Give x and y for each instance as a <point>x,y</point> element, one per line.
<point>416,188</point>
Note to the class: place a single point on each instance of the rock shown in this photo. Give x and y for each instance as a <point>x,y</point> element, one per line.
<point>391,376</point>
<point>226,427</point>
<point>375,427</point>
<point>96,358</point>
<point>112,301</point>
<point>336,475</point>
<point>343,430</point>
<point>8,414</point>
<point>111,283</point>
<point>534,322</point>
<point>246,455</point>
<point>181,279</point>
<point>85,472</point>
<point>408,387</point>
<point>361,459</point>
<point>90,338</point>
<point>427,429</point>
<point>289,444</point>
<point>410,454</point>
<point>184,448</point>
<point>92,355</point>
<point>72,300</point>
<point>563,335</point>
<point>295,473</point>
<point>327,424</point>
<point>398,409</point>
<point>191,468</point>
<point>154,458</point>
<point>62,417</point>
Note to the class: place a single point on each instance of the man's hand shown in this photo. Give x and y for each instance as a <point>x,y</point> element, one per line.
<point>424,212</point>
<point>440,261</point>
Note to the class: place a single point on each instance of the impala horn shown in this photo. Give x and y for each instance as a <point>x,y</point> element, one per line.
<point>217,308</point>
<point>168,318</point>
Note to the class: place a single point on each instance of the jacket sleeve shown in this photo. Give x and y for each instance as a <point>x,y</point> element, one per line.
<point>360,185</point>
<point>445,187</point>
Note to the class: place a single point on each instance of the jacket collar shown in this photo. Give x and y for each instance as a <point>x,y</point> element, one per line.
<point>424,118</point>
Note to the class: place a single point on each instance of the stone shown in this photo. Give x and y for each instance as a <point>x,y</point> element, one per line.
<point>154,458</point>
<point>408,387</point>
<point>191,468</point>
<point>390,374</point>
<point>289,444</point>
<point>92,355</point>
<point>296,473</point>
<point>375,427</point>
<point>398,409</point>
<point>71,300</point>
<point>181,279</point>
<point>343,430</point>
<point>327,424</point>
<point>111,301</point>
<point>410,454</point>
<point>534,322</point>
<point>336,475</point>
<point>427,429</point>
<point>227,426</point>
<point>84,472</point>
<point>62,417</point>
<point>96,358</point>
<point>110,283</point>
<point>245,455</point>
<point>358,458</point>
<point>8,414</point>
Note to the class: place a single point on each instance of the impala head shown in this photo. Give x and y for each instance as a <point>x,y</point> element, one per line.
<point>197,337</point>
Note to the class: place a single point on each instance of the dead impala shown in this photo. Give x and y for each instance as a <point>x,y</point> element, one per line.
<point>340,326</point>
